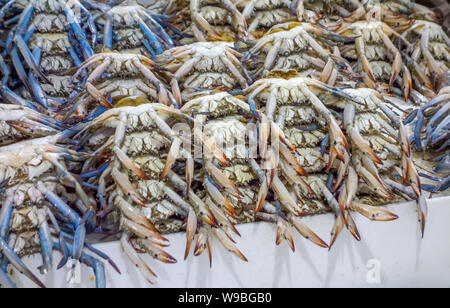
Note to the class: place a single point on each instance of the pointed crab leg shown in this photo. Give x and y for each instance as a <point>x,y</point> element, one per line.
<point>374,213</point>
<point>217,196</point>
<point>221,179</point>
<point>203,242</point>
<point>191,228</point>
<point>135,259</point>
<point>157,252</point>
<point>283,232</point>
<point>305,231</point>
<point>228,244</point>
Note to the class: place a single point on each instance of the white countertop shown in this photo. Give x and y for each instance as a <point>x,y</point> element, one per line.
<point>404,259</point>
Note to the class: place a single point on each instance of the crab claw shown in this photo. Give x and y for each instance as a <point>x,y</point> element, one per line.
<point>413,177</point>
<point>373,182</point>
<point>363,145</point>
<point>306,232</point>
<point>404,140</point>
<point>203,242</point>
<point>172,156</point>
<point>396,68</point>
<point>126,186</point>
<point>407,82</point>
<point>337,229</point>
<point>135,259</point>
<point>12,257</point>
<point>351,226</point>
<point>373,212</point>
<point>191,228</point>
<point>217,196</point>
<point>422,208</point>
<point>221,179</point>
<point>290,158</point>
<point>157,252</point>
<point>228,244</point>
<point>264,189</point>
<point>122,156</point>
<point>283,232</point>
<point>351,186</point>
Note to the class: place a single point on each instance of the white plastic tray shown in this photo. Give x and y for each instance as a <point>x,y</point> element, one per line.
<point>404,259</point>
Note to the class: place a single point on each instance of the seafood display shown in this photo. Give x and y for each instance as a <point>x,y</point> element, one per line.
<point>131,120</point>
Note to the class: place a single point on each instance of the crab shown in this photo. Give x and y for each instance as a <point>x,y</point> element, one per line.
<point>50,39</point>
<point>293,46</point>
<point>430,56</point>
<point>18,123</point>
<point>308,125</point>
<point>135,28</point>
<point>375,56</point>
<point>380,149</point>
<point>238,183</point>
<point>36,180</point>
<point>128,75</point>
<point>143,148</point>
<point>205,65</point>
<point>266,14</point>
<point>434,117</point>
<point>211,20</point>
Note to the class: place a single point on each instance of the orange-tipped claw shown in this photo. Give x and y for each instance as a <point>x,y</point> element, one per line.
<point>363,145</point>
<point>337,229</point>
<point>191,228</point>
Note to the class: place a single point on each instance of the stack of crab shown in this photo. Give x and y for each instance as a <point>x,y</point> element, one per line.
<point>138,119</point>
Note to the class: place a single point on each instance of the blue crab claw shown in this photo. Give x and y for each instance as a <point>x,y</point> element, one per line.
<point>96,265</point>
<point>45,239</point>
<point>78,33</point>
<point>29,58</point>
<point>25,18</point>
<point>103,256</point>
<point>20,70</point>
<point>12,98</point>
<point>152,38</point>
<point>95,173</point>
<point>443,166</point>
<point>418,129</point>
<point>160,30</point>
<point>323,144</point>
<point>80,235</point>
<point>5,69</point>
<point>60,205</point>
<point>411,116</point>
<point>253,108</point>
<point>14,259</point>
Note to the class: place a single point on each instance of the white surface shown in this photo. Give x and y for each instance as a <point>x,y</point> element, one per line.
<point>406,260</point>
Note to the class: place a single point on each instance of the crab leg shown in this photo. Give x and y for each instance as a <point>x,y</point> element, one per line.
<point>228,243</point>
<point>157,252</point>
<point>306,232</point>
<point>191,228</point>
<point>203,242</point>
<point>218,197</point>
<point>373,212</point>
<point>283,232</point>
<point>45,239</point>
<point>134,257</point>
